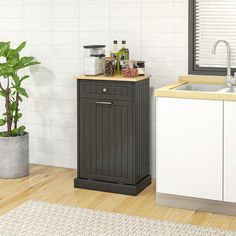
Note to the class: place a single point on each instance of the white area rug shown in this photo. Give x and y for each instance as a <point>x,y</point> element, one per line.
<point>44,219</point>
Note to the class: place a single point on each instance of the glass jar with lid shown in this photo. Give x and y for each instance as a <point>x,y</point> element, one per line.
<point>141,68</point>
<point>130,68</point>
<point>109,66</point>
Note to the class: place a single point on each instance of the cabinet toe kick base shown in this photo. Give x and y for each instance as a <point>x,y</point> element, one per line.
<point>113,187</point>
<point>196,204</point>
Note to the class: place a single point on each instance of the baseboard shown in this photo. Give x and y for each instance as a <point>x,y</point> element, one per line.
<point>196,204</point>
<point>113,187</point>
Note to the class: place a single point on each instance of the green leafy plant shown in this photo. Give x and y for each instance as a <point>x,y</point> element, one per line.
<point>11,86</point>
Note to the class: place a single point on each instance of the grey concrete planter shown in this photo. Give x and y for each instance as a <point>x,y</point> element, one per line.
<point>14,157</point>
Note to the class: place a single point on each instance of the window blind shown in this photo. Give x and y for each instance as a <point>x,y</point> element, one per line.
<point>215,19</point>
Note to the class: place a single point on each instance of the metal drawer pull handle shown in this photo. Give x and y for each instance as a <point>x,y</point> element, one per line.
<point>104,103</point>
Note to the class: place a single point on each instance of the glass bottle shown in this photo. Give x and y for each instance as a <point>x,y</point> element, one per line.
<point>123,55</point>
<point>114,54</point>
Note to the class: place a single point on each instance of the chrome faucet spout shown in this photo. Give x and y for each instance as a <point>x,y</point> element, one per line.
<point>229,77</point>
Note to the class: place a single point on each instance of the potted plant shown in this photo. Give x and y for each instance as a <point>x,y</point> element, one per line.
<point>14,140</point>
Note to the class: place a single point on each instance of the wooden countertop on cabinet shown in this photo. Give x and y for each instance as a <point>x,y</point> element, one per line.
<point>112,78</point>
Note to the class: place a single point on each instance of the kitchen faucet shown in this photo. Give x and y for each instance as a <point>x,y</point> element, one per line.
<point>229,79</point>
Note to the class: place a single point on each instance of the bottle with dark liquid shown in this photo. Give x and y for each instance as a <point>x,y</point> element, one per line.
<point>114,54</point>
<point>123,55</point>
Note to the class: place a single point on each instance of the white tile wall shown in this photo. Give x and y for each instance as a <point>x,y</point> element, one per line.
<point>56,30</point>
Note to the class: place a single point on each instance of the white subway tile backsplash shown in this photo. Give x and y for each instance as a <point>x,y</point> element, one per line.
<point>39,79</point>
<point>65,10</point>
<point>181,9</point>
<point>165,40</point>
<point>43,92</point>
<point>12,11</point>
<point>181,25</point>
<point>125,1</point>
<point>67,161</point>
<point>38,105</point>
<point>181,40</point>
<point>129,10</point>
<point>94,10</point>
<point>64,120</point>
<point>64,147</point>
<point>37,24</point>
<point>39,131</point>
<point>95,1</point>
<point>38,11</point>
<point>38,37</point>
<point>65,38</point>
<point>135,53</point>
<point>64,106</point>
<point>63,2</point>
<point>36,118</point>
<point>41,145</point>
<point>56,31</point>
<point>14,24</point>
<point>158,1</point>
<point>63,79</point>
<point>181,55</point>
<point>16,37</point>
<point>181,69</point>
<point>43,158</point>
<point>161,68</point>
<point>158,54</point>
<point>88,38</point>
<point>65,24</point>
<point>42,51</point>
<point>125,24</point>
<point>94,24</point>
<point>64,93</point>
<point>64,134</point>
<point>159,25</point>
<point>160,9</point>
<point>12,2</point>
<point>65,52</point>
<point>65,65</point>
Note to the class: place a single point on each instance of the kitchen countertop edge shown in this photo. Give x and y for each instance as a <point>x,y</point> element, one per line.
<point>112,78</point>
<point>167,91</point>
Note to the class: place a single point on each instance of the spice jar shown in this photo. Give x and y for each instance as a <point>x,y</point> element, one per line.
<point>109,66</point>
<point>141,68</point>
<point>130,69</point>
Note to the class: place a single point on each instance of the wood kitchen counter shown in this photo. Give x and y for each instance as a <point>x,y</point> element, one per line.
<point>112,78</point>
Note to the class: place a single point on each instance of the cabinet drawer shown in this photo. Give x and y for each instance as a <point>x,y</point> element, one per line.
<point>106,90</point>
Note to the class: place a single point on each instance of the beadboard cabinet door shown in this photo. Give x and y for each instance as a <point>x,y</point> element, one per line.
<point>230,152</point>
<point>105,138</point>
<point>189,147</point>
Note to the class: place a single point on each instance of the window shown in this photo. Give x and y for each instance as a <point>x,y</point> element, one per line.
<point>210,20</point>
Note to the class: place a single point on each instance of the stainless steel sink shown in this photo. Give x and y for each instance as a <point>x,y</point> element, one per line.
<point>200,87</point>
<point>228,90</point>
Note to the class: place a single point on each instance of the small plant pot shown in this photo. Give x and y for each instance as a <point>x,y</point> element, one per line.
<point>14,157</point>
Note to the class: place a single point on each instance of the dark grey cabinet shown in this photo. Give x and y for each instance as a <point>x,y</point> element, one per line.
<point>113,136</point>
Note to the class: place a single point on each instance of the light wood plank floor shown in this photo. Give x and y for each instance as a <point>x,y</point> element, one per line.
<point>55,185</point>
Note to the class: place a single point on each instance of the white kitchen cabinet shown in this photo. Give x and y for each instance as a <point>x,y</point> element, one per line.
<point>189,147</point>
<point>230,151</point>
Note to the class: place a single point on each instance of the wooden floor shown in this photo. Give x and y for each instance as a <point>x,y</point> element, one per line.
<point>55,185</point>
